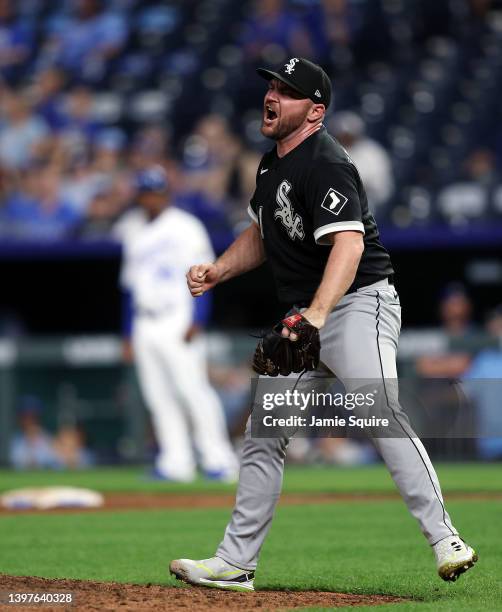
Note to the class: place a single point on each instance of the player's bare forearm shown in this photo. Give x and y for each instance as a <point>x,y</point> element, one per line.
<point>338,276</point>
<point>244,254</point>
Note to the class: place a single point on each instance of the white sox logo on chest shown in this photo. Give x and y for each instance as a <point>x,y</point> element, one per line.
<point>285,212</point>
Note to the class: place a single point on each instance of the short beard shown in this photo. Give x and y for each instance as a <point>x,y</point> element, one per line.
<point>284,127</point>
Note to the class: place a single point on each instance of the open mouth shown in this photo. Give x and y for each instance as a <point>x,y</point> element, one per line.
<point>270,114</point>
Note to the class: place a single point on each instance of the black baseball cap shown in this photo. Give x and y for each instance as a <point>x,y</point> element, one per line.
<point>304,76</point>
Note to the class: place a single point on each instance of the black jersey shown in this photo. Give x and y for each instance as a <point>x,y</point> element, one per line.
<point>299,200</point>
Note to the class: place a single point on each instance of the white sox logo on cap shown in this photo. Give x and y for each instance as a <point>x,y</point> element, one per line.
<point>303,76</point>
<point>290,66</point>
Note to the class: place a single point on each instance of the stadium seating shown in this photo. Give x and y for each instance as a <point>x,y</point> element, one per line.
<point>425,77</point>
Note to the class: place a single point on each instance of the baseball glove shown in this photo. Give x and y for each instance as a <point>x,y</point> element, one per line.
<point>276,355</point>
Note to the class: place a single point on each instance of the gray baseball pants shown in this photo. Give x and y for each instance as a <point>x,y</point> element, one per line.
<point>359,341</point>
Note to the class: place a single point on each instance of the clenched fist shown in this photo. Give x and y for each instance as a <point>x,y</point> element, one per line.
<point>202,277</point>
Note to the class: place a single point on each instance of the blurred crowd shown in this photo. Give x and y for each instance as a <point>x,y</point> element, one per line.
<point>68,155</point>
<point>65,173</point>
<point>33,447</point>
<point>66,176</point>
<point>472,355</point>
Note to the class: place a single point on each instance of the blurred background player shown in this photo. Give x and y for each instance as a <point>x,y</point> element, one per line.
<point>168,352</point>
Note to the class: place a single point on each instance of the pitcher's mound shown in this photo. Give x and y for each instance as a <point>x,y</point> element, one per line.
<point>114,596</point>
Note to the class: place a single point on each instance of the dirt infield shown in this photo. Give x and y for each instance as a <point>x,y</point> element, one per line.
<point>181,501</point>
<point>111,596</point>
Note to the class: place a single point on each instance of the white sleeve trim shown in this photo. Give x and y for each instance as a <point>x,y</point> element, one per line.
<point>341,226</point>
<point>252,214</point>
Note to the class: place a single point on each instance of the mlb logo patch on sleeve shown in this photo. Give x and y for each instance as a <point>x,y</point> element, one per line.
<point>334,201</point>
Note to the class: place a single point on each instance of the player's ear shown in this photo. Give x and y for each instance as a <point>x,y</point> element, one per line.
<point>316,113</point>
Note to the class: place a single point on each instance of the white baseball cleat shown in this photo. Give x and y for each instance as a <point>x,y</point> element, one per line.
<point>214,573</point>
<point>453,557</point>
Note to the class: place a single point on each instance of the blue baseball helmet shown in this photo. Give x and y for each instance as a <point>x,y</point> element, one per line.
<point>152,179</point>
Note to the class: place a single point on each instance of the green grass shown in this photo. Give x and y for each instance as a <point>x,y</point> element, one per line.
<point>370,547</point>
<point>359,548</point>
<point>454,477</point>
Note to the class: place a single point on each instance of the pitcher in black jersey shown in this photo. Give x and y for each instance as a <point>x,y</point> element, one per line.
<point>312,225</point>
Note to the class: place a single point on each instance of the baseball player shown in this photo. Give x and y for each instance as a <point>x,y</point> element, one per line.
<point>310,221</point>
<point>169,355</point>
